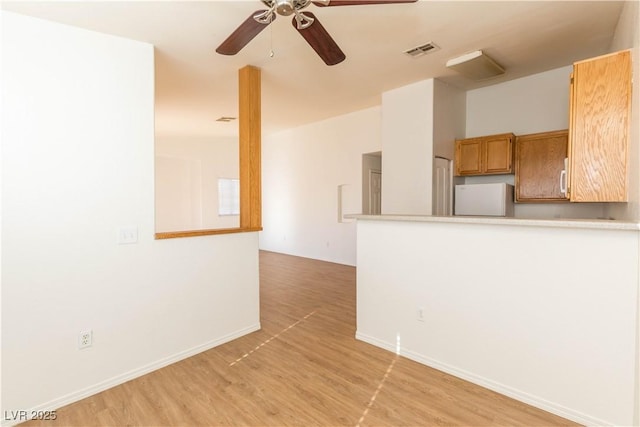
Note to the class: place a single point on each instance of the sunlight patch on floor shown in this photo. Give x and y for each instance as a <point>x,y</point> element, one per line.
<point>262,344</point>
<point>375,394</point>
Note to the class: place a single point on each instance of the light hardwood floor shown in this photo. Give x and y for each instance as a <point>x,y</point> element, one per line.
<point>304,368</point>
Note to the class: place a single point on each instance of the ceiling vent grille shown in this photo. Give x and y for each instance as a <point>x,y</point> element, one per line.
<point>421,50</point>
<point>225,119</point>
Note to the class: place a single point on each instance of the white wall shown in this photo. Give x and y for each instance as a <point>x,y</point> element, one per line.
<point>545,315</point>
<point>186,179</point>
<point>532,104</point>
<point>627,36</point>
<point>449,118</point>
<point>536,103</point>
<point>302,169</point>
<point>407,149</point>
<point>77,163</point>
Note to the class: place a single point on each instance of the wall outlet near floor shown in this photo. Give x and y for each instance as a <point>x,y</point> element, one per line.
<point>85,339</point>
<point>420,314</point>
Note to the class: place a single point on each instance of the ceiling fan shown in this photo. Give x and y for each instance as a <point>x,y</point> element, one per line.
<point>305,22</point>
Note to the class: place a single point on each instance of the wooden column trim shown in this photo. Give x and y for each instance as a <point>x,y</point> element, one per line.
<point>249,78</point>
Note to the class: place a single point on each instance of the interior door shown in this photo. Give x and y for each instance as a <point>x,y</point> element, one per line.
<point>375,192</point>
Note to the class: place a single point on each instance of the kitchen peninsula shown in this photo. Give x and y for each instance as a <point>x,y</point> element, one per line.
<point>542,310</point>
<point>533,309</point>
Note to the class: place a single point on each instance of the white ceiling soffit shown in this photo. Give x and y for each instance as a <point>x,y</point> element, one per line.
<point>476,66</point>
<point>195,86</point>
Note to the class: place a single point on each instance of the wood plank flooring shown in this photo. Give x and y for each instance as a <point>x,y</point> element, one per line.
<point>304,368</point>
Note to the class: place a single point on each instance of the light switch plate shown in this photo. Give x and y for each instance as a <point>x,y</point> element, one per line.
<point>127,235</point>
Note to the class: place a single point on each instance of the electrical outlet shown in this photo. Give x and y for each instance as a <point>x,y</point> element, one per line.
<point>420,314</point>
<point>85,339</point>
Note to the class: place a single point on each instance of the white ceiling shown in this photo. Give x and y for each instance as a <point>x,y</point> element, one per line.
<point>195,85</point>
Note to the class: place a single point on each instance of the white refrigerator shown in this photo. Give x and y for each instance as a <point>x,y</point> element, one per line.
<point>494,199</point>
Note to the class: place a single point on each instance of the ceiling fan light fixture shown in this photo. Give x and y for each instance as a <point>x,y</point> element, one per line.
<point>476,66</point>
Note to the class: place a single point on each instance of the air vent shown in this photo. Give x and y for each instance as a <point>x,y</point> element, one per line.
<point>225,119</point>
<point>421,50</point>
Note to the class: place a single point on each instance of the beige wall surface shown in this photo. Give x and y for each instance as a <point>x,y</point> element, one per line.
<point>77,167</point>
<point>186,181</point>
<point>302,169</point>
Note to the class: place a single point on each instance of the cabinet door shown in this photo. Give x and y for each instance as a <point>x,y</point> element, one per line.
<point>498,154</point>
<point>469,156</point>
<point>599,128</point>
<point>539,163</point>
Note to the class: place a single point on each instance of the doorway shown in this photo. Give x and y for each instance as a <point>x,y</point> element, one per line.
<point>372,183</point>
<point>375,191</point>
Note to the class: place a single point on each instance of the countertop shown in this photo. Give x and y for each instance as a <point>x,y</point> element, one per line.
<point>598,224</point>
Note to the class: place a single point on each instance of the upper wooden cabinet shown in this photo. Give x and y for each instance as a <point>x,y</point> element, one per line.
<point>600,116</point>
<point>485,155</point>
<point>468,157</point>
<point>539,166</point>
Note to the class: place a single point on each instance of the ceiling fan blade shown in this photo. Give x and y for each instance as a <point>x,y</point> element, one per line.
<point>243,34</point>
<point>320,40</point>
<point>358,2</point>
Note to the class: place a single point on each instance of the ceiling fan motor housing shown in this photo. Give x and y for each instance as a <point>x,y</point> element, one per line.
<point>288,7</point>
<point>285,7</point>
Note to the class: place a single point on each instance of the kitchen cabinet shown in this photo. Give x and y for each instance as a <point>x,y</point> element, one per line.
<point>540,166</point>
<point>485,155</point>
<point>600,116</point>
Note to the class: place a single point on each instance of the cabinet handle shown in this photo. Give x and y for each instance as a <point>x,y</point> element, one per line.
<point>563,182</point>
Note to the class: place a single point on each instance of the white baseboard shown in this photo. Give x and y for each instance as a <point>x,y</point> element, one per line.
<point>135,373</point>
<point>520,395</point>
